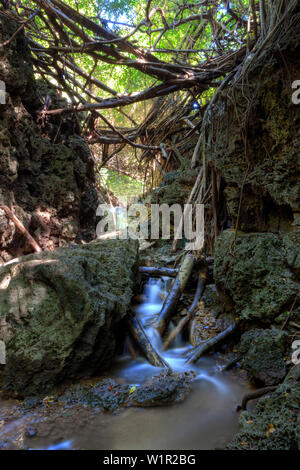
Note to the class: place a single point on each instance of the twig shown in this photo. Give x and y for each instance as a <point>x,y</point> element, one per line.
<point>6,43</point>
<point>22,229</point>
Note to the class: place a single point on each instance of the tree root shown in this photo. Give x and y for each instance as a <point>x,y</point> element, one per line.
<point>230,364</point>
<point>206,346</point>
<point>199,291</point>
<point>21,228</point>
<point>256,394</point>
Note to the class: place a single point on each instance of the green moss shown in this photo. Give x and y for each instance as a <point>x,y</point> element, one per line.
<point>59,311</point>
<point>274,423</point>
<point>255,275</point>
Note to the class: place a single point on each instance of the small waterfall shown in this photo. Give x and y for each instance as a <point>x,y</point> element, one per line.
<point>155,291</point>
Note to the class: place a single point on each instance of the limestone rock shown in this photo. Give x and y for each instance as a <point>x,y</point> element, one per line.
<point>257,276</point>
<point>59,311</point>
<point>262,354</point>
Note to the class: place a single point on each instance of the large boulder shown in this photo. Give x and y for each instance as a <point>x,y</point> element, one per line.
<point>258,273</point>
<point>262,354</point>
<point>59,311</point>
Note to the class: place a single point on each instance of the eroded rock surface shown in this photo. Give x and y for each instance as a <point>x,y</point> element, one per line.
<point>262,354</point>
<point>274,423</point>
<point>46,170</point>
<point>59,311</point>
<point>258,273</point>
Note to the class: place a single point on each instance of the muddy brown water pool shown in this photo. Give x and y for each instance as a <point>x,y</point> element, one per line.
<point>206,419</point>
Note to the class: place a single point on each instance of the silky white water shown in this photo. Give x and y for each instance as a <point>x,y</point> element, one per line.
<point>206,419</point>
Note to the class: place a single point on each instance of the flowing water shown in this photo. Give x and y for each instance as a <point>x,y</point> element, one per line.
<point>206,419</point>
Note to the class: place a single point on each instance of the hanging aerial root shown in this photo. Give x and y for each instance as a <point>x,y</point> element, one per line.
<point>184,321</point>
<point>189,201</point>
<point>142,340</point>
<point>175,293</point>
<point>158,272</point>
<point>210,343</point>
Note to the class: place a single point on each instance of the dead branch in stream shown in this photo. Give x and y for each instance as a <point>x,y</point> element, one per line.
<point>158,272</point>
<point>206,346</point>
<point>175,292</point>
<point>21,228</point>
<point>184,321</point>
<point>143,342</point>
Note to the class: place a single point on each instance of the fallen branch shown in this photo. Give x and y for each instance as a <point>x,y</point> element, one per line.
<point>142,340</point>
<point>256,394</point>
<point>157,272</point>
<point>210,343</point>
<point>190,312</point>
<point>231,364</point>
<point>21,228</point>
<point>175,292</point>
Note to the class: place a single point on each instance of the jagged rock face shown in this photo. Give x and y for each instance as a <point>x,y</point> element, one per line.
<point>262,354</point>
<point>255,141</point>
<point>59,311</point>
<point>46,172</point>
<point>254,145</point>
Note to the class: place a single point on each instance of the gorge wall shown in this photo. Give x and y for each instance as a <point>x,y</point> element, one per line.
<point>46,170</point>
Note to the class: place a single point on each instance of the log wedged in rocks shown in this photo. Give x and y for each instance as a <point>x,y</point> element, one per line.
<point>175,292</point>
<point>142,340</point>
<point>59,311</point>
<point>158,272</point>
<point>184,321</point>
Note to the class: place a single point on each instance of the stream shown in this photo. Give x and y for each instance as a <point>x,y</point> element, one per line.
<point>206,419</point>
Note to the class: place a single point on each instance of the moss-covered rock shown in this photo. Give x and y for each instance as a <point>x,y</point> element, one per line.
<point>46,171</point>
<point>106,394</point>
<point>254,141</point>
<point>262,354</point>
<point>256,273</point>
<point>59,310</point>
<point>163,390</point>
<point>175,187</point>
<point>273,424</point>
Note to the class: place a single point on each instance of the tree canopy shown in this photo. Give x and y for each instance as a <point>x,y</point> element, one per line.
<point>135,68</point>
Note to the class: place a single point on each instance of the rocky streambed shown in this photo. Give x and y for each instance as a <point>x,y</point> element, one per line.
<point>72,386</point>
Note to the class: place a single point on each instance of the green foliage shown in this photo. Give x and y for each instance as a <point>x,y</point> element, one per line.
<point>123,186</point>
